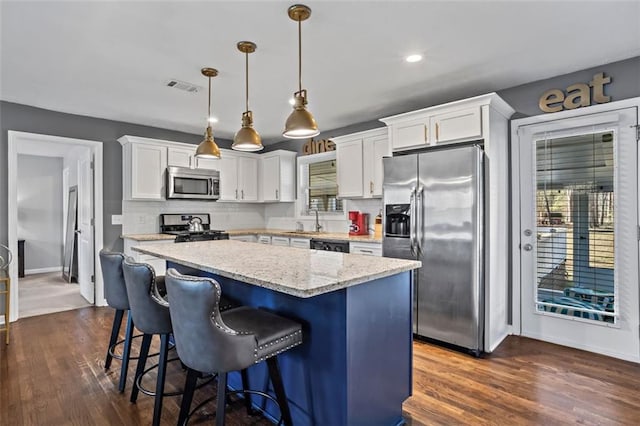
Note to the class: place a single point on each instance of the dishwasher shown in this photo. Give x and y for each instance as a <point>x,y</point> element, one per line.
<point>329,245</point>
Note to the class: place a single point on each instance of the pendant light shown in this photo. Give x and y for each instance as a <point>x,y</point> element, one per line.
<point>300,124</point>
<point>247,139</point>
<point>208,147</point>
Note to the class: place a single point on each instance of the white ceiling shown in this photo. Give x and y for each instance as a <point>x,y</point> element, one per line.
<point>111,59</point>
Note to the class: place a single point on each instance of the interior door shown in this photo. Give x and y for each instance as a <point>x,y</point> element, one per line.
<point>578,233</point>
<point>85,230</point>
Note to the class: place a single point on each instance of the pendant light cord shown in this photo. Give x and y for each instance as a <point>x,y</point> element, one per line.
<point>246,67</point>
<point>209,106</point>
<point>299,55</point>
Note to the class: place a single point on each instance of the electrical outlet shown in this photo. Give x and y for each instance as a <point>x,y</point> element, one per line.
<point>116,219</point>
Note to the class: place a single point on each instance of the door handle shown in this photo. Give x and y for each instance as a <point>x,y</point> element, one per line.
<point>242,193</point>
<point>277,195</point>
<point>371,186</point>
<point>419,219</point>
<point>236,194</point>
<point>527,247</point>
<point>412,221</point>
<point>437,132</point>
<point>78,231</point>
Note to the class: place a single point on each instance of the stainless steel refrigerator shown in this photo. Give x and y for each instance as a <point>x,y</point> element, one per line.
<point>433,204</point>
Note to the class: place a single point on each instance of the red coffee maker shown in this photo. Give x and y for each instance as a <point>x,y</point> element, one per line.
<point>359,223</point>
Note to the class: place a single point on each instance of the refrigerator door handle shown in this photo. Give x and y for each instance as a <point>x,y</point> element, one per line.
<point>419,224</point>
<point>412,222</point>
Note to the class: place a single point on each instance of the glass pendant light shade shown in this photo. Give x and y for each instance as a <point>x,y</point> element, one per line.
<point>300,124</point>
<point>247,139</point>
<point>208,148</point>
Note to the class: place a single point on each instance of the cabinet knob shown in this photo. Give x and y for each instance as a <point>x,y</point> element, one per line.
<point>277,194</point>
<point>426,138</point>
<point>371,187</point>
<point>437,132</point>
<point>242,193</point>
<point>236,194</point>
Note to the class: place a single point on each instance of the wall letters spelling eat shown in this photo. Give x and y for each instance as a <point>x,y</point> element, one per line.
<point>578,95</point>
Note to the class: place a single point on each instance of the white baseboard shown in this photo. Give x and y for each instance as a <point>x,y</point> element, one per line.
<point>43,270</point>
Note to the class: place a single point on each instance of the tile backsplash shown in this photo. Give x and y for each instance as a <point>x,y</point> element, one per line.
<point>143,217</point>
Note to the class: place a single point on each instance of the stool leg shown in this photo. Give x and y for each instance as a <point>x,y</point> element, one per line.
<point>222,400</point>
<point>126,351</point>
<point>247,396</point>
<point>162,369</point>
<point>142,363</point>
<point>278,387</point>
<point>187,395</point>
<point>115,331</point>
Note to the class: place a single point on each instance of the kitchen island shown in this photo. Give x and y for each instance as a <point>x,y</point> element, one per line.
<point>354,366</point>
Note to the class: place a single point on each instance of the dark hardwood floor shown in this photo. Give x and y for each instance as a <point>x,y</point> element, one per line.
<point>52,374</point>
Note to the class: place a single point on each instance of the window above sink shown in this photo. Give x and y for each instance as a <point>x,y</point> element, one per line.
<point>318,188</point>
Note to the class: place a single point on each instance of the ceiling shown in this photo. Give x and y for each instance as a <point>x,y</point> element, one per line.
<point>112,59</point>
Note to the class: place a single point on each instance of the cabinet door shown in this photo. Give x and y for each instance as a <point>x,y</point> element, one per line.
<point>148,164</point>
<point>349,168</point>
<point>228,166</point>
<point>463,124</point>
<point>180,157</point>
<point>248,178</point>
<point>280,241</point>
<point>373,149</point>
<point>410,134</point>
<point>271,178</point>
<point>208,163</point>
<point>304,243</point>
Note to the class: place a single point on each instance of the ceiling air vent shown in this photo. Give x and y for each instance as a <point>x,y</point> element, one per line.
<point>183,85</point>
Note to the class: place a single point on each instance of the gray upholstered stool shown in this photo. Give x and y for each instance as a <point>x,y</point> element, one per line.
<point>211,341</point>
<point>115,292</point>
<point>151,316</point>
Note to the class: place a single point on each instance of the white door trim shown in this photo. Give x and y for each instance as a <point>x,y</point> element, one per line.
<point>516,125</point>
<point>15,138</point>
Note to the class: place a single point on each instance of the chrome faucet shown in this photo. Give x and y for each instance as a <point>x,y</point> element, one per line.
<point>318,226</point>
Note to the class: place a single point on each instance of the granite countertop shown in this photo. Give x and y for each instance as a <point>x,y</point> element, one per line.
<point>334,236</point>
<point>301,273</point>
<point>148,237</point>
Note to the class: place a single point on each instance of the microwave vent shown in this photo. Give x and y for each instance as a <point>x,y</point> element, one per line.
<point>183,85</point>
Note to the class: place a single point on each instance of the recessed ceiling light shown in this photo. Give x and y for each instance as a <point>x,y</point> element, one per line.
<point>292,101</point>
<point>413,58</point>
<point>212,119</point>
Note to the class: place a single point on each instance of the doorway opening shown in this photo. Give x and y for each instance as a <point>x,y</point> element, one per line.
<point>54,237</point>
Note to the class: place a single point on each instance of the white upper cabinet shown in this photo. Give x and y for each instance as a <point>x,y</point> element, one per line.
<point>144,162</point>
<point>278,176</point>
<point>207,163</point>
<point>374,148</point>
<point>248,178</point>
<point>238,176</point>
<point>359,163</point>
<point>458,125</point>
<point>349,167</point>
<point>181,157</point>
<point>459,121</point>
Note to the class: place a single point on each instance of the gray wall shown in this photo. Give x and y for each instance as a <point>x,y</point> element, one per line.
<point>36,120</point>
<point>625,84</point>
<point>40,210</point>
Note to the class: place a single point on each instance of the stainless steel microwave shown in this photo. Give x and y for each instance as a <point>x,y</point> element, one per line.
<point>194,184</point>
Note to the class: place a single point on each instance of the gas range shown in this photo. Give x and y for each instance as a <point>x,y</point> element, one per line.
<point>178,225</point>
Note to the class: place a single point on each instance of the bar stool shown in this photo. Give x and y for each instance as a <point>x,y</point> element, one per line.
<point>150,313</point>
<point>5,279</point>
<point>211,341</point>
<point>115,292</point>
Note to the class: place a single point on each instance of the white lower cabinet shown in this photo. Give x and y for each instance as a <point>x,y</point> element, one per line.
<point>370,249</point>
<point>280,241</point>
<point>264,239</point>
<point>304,243</point>
<point>159,265</point>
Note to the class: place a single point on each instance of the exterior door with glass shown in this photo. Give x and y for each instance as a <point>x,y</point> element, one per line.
<point>578,185</point>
